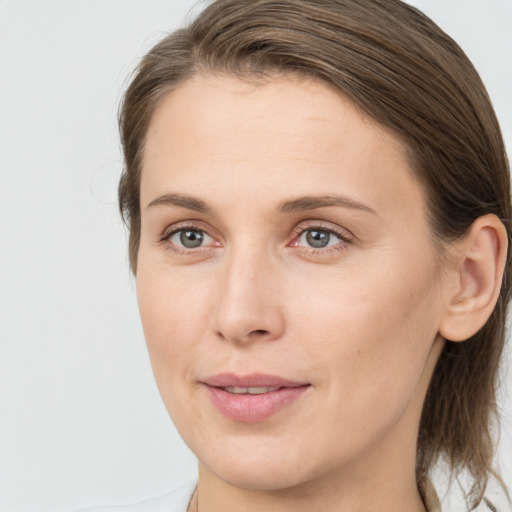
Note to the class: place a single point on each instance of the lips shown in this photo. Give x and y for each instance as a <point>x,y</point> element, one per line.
<point>252,398</point>
<point>250,390</point>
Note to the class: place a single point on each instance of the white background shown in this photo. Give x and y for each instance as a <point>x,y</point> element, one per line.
<point>80,417</point>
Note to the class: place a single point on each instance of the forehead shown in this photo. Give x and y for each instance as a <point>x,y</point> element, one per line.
<point>288,131</point>
<point>260,109</point>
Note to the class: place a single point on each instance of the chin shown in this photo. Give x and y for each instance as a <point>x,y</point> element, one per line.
<point>263,465</point>
<point>260,477</point>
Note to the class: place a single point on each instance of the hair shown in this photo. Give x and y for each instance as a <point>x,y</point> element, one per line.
<point>401,69</point>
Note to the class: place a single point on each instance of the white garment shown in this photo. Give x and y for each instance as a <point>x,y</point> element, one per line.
<point>175,501</point>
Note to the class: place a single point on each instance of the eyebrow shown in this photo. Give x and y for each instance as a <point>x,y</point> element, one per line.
<point>187,202</point>
<point>313,202</point>
<point>293,205</point>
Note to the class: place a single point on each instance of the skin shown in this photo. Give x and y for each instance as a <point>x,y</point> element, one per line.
<point>358,320</point>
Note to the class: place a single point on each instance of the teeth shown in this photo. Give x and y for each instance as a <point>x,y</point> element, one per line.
<point>251,391</point>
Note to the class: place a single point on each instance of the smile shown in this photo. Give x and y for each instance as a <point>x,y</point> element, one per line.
<point>252,398</point>
<point>249,391</point>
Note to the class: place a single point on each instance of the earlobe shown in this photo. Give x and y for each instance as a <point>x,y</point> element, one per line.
<point>479,267</point>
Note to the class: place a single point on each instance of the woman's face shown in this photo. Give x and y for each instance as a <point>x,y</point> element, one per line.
<point>288,287</point>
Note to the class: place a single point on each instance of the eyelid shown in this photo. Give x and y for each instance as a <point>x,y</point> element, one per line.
<point>193,225</point>
<point>183,225</point>
<point>344,234</point>
<point>318,254</point>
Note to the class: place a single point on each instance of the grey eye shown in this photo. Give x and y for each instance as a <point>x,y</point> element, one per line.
<point>317,238</point>
<point>191,238</point>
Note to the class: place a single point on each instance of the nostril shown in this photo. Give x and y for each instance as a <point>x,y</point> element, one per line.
<point>251,336</point>
<point>259,332</point>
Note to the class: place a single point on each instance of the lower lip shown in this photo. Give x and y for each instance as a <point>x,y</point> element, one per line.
<point>254,408</point>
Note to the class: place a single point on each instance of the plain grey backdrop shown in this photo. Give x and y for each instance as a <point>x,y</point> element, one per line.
<point>81,420</point>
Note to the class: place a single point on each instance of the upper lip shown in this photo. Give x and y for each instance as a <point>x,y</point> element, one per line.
<point>252,380</point>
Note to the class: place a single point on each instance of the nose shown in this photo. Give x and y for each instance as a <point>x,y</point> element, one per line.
<point>249,308</point>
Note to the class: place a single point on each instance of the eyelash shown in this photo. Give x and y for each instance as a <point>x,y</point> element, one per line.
<point>345,238</point>
<point>173,230</point>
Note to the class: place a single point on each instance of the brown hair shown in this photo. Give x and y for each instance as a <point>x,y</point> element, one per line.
<point>397,66</point>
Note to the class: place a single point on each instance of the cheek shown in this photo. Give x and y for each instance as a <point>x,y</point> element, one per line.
<point>368,331</point>
<point>174,314</point>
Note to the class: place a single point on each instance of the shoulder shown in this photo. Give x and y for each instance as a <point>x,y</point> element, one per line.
<point>175,501</point>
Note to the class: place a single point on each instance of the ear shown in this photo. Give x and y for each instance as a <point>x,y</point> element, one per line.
<point>479,263</point>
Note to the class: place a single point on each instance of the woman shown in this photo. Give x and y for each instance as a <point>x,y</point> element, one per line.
<point>318,201</point>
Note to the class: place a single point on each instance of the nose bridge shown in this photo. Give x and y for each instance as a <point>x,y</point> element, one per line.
<point>248,308</point>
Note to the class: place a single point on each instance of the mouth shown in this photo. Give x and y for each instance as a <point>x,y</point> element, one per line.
<point>249,391</point>
<point>252,398</point>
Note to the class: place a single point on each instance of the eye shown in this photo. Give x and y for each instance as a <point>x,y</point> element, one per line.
<point>189,238</point>
<point>321,239</point>
<point>318,238</point>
